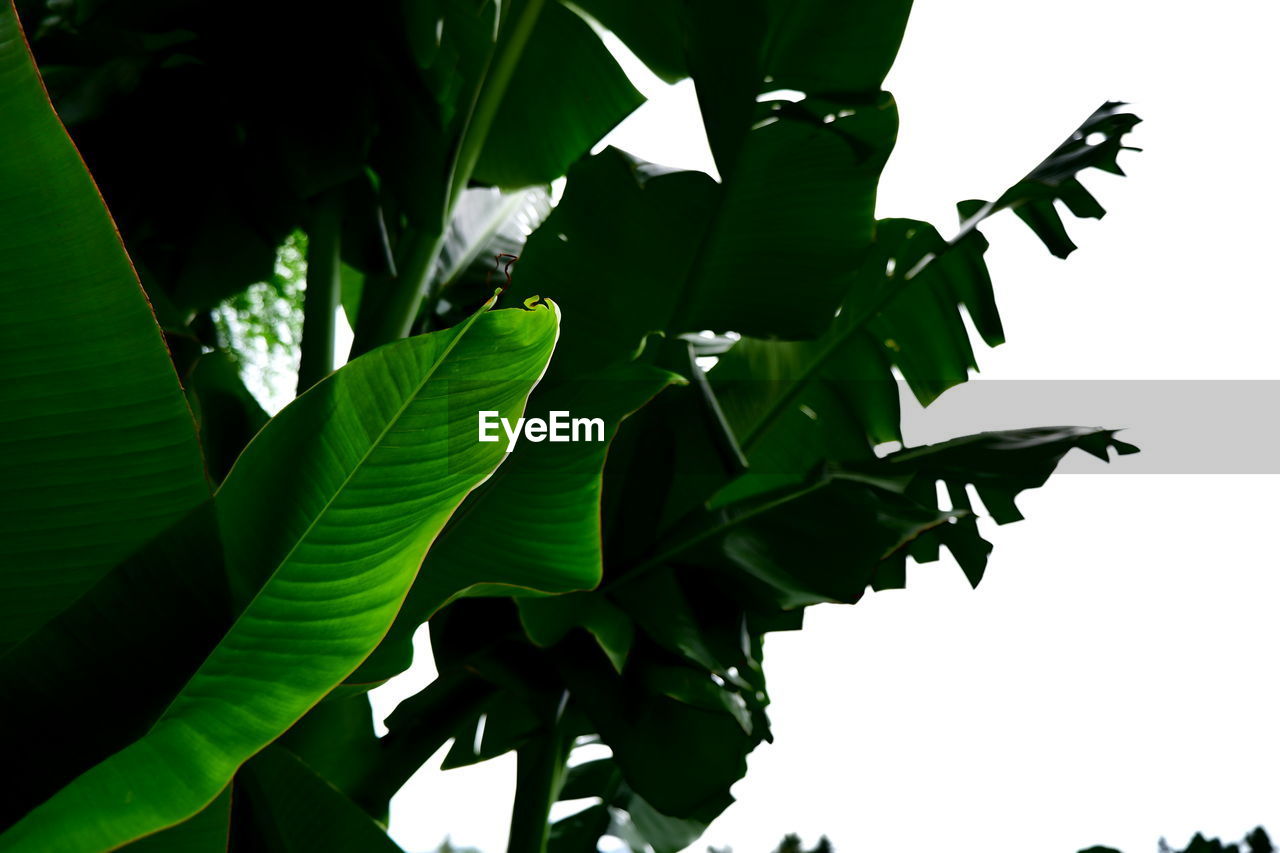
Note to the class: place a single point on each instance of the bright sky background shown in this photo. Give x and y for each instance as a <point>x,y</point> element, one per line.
<point>1113,679</point>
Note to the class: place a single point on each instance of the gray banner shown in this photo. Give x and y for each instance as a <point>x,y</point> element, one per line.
<point>1182,426</point>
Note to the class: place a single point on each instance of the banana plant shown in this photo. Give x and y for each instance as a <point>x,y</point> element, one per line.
<point>196,613</point>
<point>305,551</point>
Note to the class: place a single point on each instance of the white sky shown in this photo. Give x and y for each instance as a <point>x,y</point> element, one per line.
<point>1112,680</point>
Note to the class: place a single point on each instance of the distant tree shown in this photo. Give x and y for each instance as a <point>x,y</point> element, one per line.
<point>447,847</point>
<point>1255,842</point>
<point>792,844</point>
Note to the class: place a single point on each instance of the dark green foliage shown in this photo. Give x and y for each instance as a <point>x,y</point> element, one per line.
<point>792,844</point>
<point>249,578</point>
<point>1255,842</point>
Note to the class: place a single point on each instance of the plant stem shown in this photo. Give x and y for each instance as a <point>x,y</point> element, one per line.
<point>540,766</point>
<point>324,290</point>
<point>425,246</point>
<point>721,432</point>
<point>502,67</point>
<point>406,291</point>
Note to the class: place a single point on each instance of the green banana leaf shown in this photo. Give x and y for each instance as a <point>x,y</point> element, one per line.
<point>735,49</point>
<point>798,208</point>
<point>999,466</point>
<point>653,31</point>
<point>294,810</point>
<point>488,231</point>
<point>289,807</point>
<point>333,506</point>
<point>107,645</point>
<point>546,502</point>
<point>796,204</point>
<point>567,92</point>
<point>100,450</point>
<point>207,832</point>
<point>622,813</point>
<point>792,403</point>
<point>681,758</point>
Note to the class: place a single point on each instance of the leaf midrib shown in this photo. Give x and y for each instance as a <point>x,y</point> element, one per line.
<point>358,466</point>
